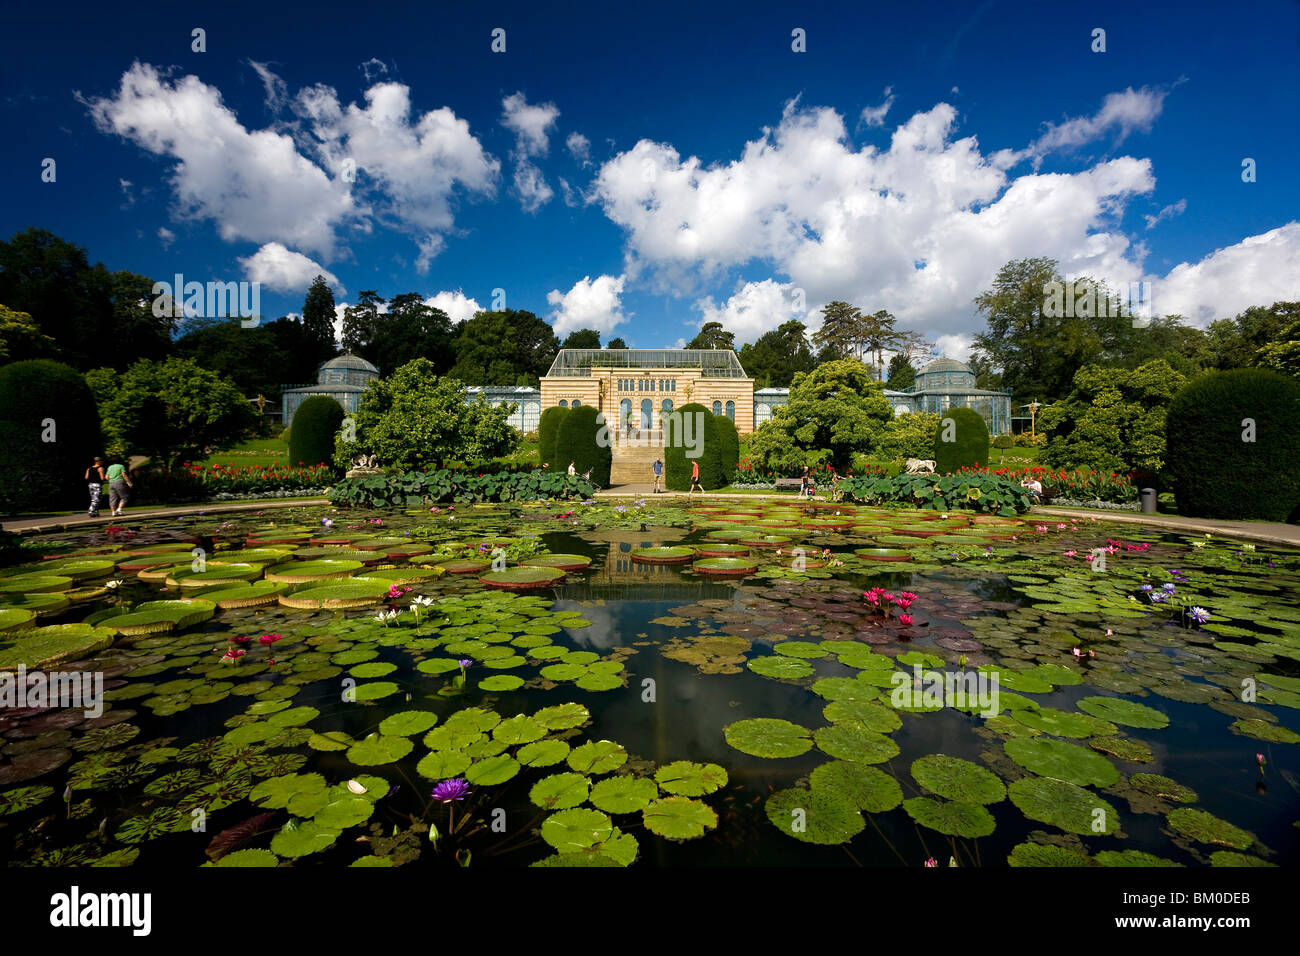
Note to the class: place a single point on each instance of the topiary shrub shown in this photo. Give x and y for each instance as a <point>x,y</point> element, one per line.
<point>49,430</point>
<point>729,442</point>
<point>690,435</point>
<point>960,441</point>
<point>315,423</point>
<point>547,430</point>
<point>583,440</point>
<point>1002,441</point>
<point>1232,446</point>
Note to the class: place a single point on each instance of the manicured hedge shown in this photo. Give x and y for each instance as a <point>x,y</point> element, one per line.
<point>970,445</point>
<point>729,439</point>
<point>40,398</point>
<point>583,439</point>
<point>548,428</point>
<point>315,423</point>
<point>1216,466</point>
<point>974,491</point>
<point>692,428</point>
<point>414,487</point>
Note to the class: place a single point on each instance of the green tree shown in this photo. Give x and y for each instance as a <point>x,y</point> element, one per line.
<point>616,344</point>
<point>172,411</point>
<point>876,333</point>
<point>691,435</point>
<point>411,329</point>
<point>1185,348</point>
<point>582,339</point>
<point>21,337</point>
<point>415,418</point>
<point>316,422</point>
<point>361,323</point>
<point>318,314</point>
<point>777,356</point>
<point>252,358</point>
<point>961,440</point>
<point>902,373</point>
<point>840,335</point>
<point>583,439</point>
<point>712,336</point>
<point>49,431</point>
<point>513,347</point>
<point>548,427</point>
<point>910,435</point>
<point>837,408</point>
<point>1113,419</point>
<point>1282,354</point>
<point>1235,342</point>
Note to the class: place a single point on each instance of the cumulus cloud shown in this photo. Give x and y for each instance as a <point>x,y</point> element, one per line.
<point>253,184</point>
<point>755,308</point>
<point>1259,270</point>
<point>283,270</point>
<point>165,236</point>
<point>1120,115</point>
<point>875,115</point>
<point>457,305</point>
<point>531,187</point>
<point>919,228</point>
<point>579,148</point>
<point>590,304</point>
<point>1169,212</point>
<point>531,125</point>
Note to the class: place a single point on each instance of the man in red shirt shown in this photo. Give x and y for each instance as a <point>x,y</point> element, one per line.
<point>695,478</point>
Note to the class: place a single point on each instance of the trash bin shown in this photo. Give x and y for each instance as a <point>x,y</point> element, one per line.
<point>1148,501</point>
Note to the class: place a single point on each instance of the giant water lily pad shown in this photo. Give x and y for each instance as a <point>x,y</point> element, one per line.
<point>1063,805</point>
<point>522,578</point>
<point>340,596</point>
<point>1120,711</point>
<point>1163,787</point>
<point>245,594</point>
<point>562,562</point>
<point>44,646</point>
<point>302,572</point>
<point>957,779</point>
<point>15,618</point>
<point>856,743</point>
<point>768,737</point>
<point>1062,723</point>
<point>1064,761</point>
<point>154,617</point>
<point>951,817</point>
<point>672,554</point>
<point>725,567</point>
<point>814,816</point>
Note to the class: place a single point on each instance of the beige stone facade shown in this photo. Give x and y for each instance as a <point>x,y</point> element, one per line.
<point>644,384</point>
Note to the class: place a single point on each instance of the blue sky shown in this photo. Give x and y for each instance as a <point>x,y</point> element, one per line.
<point>640,169</point>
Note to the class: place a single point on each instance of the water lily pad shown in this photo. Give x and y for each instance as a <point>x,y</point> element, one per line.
<point>378,749</point>
<point>492,770</point>
<point>443,764</point>
<point>689,779</point>
<point>1038,854</point>
<point>951,817</point>
<point>301,572</point>
<point>542,753</point>
<point>676,554</point>
<point>1133,858</point>
<point>1207,828</point>
<point>597,757</point>
<point>865,788</point>
<point>519,730</point>
<point>957,779</point>
<point>301,838</point>
<point>768,737</point>
<point>576,829</point>
<point>275,793</point>
<point>725,567</point>
<point>679,818</point>
<point>344,812</point>
<point>1061,760</point>
<point>1163,787</point>
<point>1062,723</point>
<point>780,667</point>
<point>623,794</point>
<point>564,562</point>
<point>814,816</point>
<point>855,743</point>
<point>1063,805</point>
<point>1120,711</point>
<point>39,647</point>
<point>522,578</point>
<point>341,595</point>
<point>560,791</point>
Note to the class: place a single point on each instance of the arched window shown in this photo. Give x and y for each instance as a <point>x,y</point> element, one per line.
<point>577,402</point>
<point>665,408</point>
<point>717,408</point>
<point>646,412</point>
<point>563,403</point>
<point>625,412</point>
<point>731,410</point>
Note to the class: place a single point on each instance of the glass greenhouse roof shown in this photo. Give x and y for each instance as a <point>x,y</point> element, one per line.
<point>714,363</point>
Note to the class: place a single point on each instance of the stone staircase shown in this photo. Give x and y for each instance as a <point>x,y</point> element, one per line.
<point>632,463</point>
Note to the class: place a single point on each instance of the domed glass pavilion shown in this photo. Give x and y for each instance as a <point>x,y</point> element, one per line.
<point>946,383</point>
<point>343,378</point>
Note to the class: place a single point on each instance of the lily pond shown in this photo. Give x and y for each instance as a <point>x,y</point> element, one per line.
<point>734,683</point>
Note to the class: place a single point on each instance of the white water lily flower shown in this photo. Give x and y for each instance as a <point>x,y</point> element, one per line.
<point>356,788</point>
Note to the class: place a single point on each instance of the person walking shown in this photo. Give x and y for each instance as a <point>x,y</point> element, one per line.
<point>658,468</point>
<point>95,479</point>
<point>119,483</point>
<point>695,478</point>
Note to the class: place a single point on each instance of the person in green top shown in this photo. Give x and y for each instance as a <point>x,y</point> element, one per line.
<point>119,480</point>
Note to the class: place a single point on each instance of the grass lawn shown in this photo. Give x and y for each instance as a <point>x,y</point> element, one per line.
<point>255,451</point>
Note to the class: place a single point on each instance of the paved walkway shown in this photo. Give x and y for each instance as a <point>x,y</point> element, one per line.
<point>1271,531</point>
<point>67,522</point>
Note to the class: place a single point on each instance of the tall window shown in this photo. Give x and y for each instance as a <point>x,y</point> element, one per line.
<point>731,410</point>
<point>646,411</point>
<point>717,408</point>
<point>665,408</point>
<point>563,403</point>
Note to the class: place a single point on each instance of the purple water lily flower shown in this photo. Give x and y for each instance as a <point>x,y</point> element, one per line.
<point>1157,597</point>
<point>1199,614</point>
<point>1146,587</point>
<point>1169,588</point>
<point>457,788</point>
<point>464,662</point>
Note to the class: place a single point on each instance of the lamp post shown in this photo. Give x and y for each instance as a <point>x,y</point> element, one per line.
<point>1033,418</point>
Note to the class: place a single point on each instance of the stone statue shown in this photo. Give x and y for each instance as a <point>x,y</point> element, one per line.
<point>364,465</point>
<point>920,466</point>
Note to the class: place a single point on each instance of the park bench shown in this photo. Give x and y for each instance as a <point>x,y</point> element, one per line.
<point>787,483</point>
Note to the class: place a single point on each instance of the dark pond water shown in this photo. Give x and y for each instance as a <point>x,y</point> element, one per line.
<point>659,658</point>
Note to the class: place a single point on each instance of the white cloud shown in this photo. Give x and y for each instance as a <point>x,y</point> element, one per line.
<point>339,309</point>
<point>1259,270</point>
<point>165,236</point>
<point>920,228</point>
<point>755,308</point>
<point>530,124</point>
<point>531,187</point>
<point>590,304</point>
<point>875,115</point>
<point>954,346</point>
<point>1121,113</point>
<point>457,305</point>
<point>579,148</point>
<point>253,184</point>
<point>1169,212</point>
<point>277,92</point>
<point>283,270</point>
